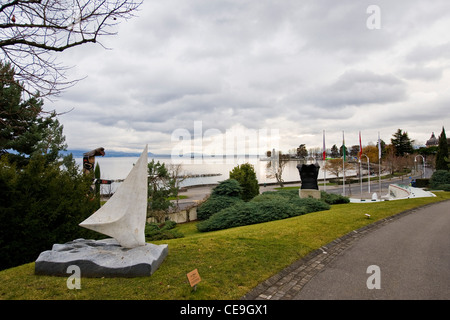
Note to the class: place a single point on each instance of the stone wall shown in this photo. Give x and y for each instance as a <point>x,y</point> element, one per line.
<point>182,216</point>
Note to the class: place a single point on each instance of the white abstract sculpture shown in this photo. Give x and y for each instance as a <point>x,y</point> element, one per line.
<point>123,216</point>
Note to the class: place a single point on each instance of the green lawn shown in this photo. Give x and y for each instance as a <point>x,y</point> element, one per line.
<point>230,262</point>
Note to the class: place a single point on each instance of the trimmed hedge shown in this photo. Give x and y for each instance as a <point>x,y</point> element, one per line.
<point>422,182</point>
<point>332,198</point>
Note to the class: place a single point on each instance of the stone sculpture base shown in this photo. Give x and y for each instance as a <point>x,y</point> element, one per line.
<point>309,193</point>
<point>101,258</point>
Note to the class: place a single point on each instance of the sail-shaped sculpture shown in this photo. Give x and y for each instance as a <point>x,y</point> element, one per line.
<point>123,218</point>
<point>123,215</point>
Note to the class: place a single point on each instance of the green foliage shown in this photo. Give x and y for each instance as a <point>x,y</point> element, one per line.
<point>246,176</point>
<point>224,195</point>
<point>41,204</point>
<point>442,154</point>
<point>332,198</point>
<point>163,231</point>
<point>161,187</point>
<point>97,175</point>
<point>229,187</point>
<point>24,128</point>
<point>215,204</point>
<point>272,205</point>
<point>422,182</point>
<point>402,143</point>
<point>439,178</point>
<point>444,187</point>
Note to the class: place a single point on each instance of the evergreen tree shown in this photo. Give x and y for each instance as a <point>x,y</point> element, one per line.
<point>161,187</point>
<point>442,154</point>
<point>25,130</point>
<point>343,151</point>
<point>97,175</point>
<point>301,151</point>
<point>334,151</point>
<point>41,204</point>
<point>402,143</point>
<point>42,200</point>
<point>246,176</point>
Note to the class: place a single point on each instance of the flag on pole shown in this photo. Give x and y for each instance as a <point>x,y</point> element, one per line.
<point>324,152</point>
<point>360,146</point>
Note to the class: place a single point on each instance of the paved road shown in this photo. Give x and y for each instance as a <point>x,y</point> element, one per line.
<point>411,250</point>
<point>413,256</point>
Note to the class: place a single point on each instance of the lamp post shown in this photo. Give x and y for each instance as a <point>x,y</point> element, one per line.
<point>360,176</point>
<point>423,164</point>
<point>368,172</point>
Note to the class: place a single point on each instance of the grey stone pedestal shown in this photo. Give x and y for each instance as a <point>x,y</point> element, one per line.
<point>309,193</point>
<point>101,258</point>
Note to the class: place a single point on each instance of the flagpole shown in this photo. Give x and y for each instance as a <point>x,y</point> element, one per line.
<point>343,163</point>
<point>324,155</point>
<point>360,171</point>
<point>379,164</point>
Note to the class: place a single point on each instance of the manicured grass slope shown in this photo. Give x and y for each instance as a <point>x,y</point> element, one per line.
<point>230,262</point>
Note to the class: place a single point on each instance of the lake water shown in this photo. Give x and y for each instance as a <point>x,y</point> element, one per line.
<point>115,168</point>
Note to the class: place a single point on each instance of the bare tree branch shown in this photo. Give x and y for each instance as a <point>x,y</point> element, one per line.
<point>32,31</point>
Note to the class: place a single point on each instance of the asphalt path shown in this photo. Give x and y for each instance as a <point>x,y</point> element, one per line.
<point>408,258</point>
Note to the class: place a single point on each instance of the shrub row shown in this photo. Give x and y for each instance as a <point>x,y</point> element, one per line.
<point>271,205</point>
<point>332,198</point>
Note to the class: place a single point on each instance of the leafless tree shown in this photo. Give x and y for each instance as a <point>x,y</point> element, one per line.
<point>175,171</point>
<point>335,166</point>
<point>275,167</point>
<point>32,31</point>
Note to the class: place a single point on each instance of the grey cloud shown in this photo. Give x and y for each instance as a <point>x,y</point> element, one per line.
<point>357,88</point>
<point>422,73</point>
<point>423,54</point>
<point>257,62</point>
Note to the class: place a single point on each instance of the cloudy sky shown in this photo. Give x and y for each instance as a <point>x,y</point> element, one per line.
<point>284,70</point>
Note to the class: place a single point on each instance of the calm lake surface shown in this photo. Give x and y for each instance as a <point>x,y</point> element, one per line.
<point>114,168</point>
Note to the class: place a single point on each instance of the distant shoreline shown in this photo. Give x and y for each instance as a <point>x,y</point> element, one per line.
<point>121,154</point>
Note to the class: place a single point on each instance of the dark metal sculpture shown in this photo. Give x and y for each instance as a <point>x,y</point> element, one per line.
<point>308,175</point>
<point>89,159</point>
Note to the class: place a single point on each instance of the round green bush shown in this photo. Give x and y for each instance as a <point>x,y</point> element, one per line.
<point>246,176</point>
<point>439,177</point>
<point>229,187</point>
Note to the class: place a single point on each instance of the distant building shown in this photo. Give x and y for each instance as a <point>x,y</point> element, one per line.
<point>433,141</point>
